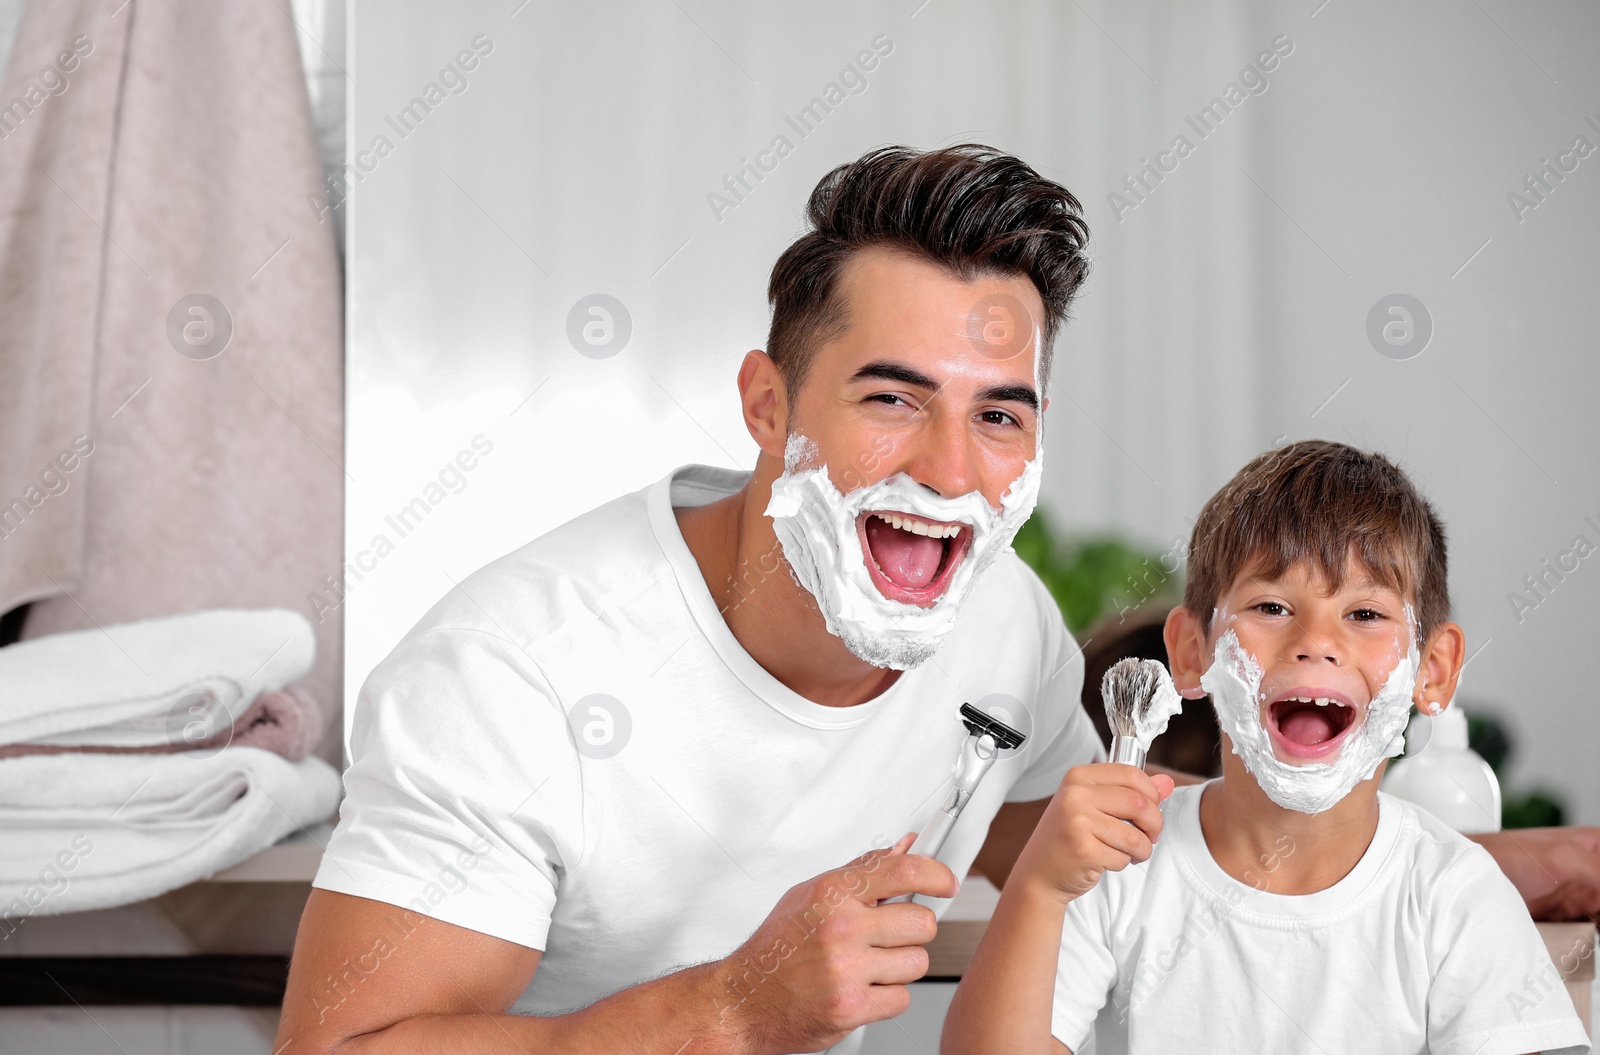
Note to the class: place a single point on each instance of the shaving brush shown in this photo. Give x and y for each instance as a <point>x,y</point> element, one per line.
<point>1140,699</point>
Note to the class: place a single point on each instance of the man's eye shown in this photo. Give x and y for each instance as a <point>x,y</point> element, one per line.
<point>888,399</point>
<point>999,417</point>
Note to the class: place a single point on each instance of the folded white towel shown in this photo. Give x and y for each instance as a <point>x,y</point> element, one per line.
<point>174,679</point>
<point>93,831</point>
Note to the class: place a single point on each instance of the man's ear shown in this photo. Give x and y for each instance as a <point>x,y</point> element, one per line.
<point>1186,651</point>
<point>1441,668</point>
<point>765,402</point>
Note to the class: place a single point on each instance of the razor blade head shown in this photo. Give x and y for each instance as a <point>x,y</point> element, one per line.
<point>980,724</point>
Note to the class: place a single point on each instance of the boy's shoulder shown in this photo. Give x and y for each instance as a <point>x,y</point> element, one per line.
<point>1438,855</point>
<point>1451,886</point>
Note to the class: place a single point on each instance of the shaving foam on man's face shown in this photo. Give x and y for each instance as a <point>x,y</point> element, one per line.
<point>920,411</point>
<point>890,563</point>
<point>1313,695</point>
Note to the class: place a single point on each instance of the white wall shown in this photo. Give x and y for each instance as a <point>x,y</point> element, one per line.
<point>1224,311</point>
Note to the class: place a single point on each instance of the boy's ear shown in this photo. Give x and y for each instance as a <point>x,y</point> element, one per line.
<point>1441,668</point>
<point>1186,651</point>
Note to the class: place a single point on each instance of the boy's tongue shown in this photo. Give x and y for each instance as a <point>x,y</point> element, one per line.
<point>907,560</point>
<point>1307,724</point>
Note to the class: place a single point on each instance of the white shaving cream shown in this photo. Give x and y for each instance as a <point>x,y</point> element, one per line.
<point>816,524</point>
<point>1154,721</point>
<point>1234,682</point>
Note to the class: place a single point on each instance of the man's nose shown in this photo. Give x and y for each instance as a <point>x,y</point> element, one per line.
<point>943,458</point>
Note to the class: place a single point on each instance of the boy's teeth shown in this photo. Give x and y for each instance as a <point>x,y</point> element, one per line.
<point>919,527</point>
<point>1320,701</point>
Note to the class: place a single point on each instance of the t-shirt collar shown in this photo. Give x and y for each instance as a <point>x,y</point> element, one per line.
<point>1251,903</point>
<point>691,485</point>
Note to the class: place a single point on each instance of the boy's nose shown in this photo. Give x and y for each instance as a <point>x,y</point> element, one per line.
<point>1331,658</point>
<point>1316,643</point>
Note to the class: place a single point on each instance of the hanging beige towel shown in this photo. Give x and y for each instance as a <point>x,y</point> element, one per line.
<point>171,397</point>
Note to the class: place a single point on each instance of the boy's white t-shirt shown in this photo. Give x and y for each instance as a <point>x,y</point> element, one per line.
<point>690,789</point>
<point>1424,947</point>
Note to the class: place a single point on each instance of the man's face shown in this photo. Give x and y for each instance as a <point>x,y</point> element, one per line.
<point>1324,656</point>
<point>933,377</point>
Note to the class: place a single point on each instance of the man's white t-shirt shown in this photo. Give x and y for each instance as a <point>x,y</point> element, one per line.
<point>1424,947</point>
<point>689,789</point>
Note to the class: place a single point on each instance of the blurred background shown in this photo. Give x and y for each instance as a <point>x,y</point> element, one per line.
<point>1350,249</point>
<point>553,225</point>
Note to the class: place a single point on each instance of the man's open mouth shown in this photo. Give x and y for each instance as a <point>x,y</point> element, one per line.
<point>1311,724</point>
<point>911,559</point>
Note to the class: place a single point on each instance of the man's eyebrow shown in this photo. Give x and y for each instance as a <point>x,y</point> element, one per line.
<point>1023,394</point>
<point>889,370</point>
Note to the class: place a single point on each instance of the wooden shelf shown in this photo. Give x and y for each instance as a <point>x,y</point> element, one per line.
<point>294,859</point>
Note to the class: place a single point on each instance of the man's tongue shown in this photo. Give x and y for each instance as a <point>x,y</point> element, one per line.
<point>1307,724</point>
<point>907,560</point>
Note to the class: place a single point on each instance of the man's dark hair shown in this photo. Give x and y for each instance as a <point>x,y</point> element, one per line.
<point>969,209</point>
<point>1318,501</point>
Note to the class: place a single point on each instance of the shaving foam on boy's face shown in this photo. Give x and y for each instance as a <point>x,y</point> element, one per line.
<point>1309,728</point>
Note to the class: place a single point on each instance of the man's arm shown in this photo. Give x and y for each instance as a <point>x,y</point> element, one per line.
<point>1556,870</point>
<point>1009,831</point>
<point>369,978</point>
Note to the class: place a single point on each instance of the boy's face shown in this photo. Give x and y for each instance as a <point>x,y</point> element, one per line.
<point>1324,656</point>
<point>1312,686</point>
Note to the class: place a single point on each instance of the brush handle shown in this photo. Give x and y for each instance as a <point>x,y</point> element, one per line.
<point>1126,750</point>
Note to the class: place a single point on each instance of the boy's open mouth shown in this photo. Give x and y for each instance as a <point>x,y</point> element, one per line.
<point>1307,723</point>
<point>911,559</point>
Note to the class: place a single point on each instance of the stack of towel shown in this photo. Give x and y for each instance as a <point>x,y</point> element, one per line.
<point>140,757</point>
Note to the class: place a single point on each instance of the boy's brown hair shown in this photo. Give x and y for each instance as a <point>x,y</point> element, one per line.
<point>969,208</point>
<point>1313,501</point>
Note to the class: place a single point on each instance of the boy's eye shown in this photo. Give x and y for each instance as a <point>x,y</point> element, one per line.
<point>1366,615</point>
<point>1271,608</point>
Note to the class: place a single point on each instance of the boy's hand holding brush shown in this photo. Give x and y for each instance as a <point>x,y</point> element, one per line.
<point>1103,816</point>
<point>1106,815</point>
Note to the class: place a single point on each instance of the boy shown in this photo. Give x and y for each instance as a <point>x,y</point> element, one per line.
<point>1289,905</point>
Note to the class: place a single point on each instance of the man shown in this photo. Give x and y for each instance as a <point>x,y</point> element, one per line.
<point>631,762</point>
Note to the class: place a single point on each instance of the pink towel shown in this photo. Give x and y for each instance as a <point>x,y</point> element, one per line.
<point>175,160</point>
<point>287,722</point>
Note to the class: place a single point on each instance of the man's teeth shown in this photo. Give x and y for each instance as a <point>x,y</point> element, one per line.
<point>1320,701</point>
<point>920,527</point>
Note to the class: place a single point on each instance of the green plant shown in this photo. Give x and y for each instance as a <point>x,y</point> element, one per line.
<point>1095,576</point>
<point>1530,809</point>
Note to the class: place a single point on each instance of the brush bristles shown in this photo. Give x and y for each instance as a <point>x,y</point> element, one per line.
<point>1128,688</point>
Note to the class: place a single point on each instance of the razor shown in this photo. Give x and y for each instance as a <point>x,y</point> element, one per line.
<point>987,736</point>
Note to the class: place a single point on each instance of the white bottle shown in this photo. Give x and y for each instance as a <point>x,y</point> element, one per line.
<point>1446,777</point>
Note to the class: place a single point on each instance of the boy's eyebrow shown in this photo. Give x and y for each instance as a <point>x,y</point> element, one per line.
<point>890,370</point>
<point>1361,582</point>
